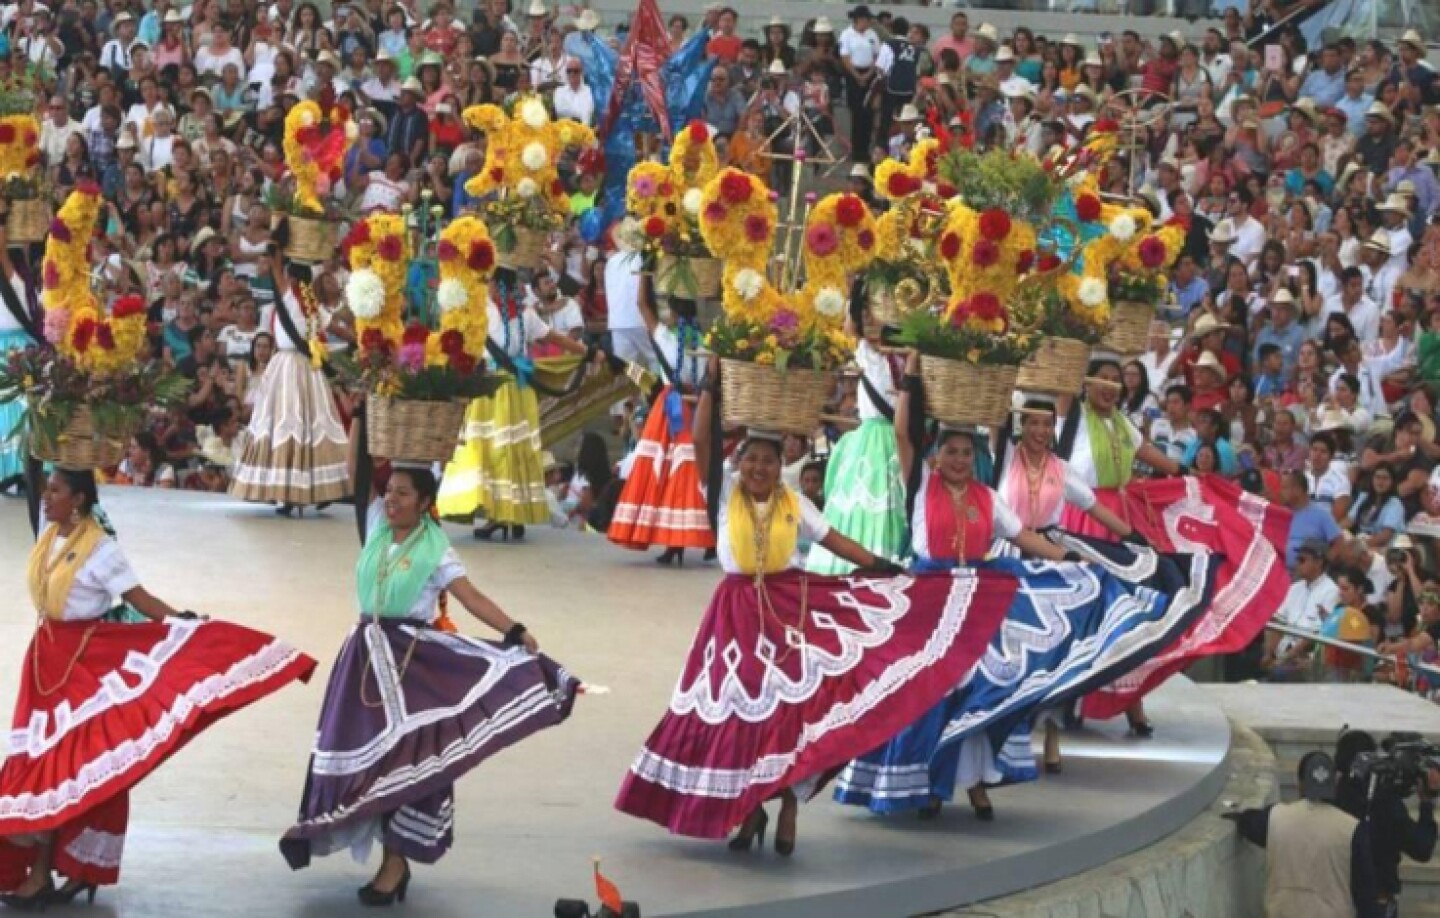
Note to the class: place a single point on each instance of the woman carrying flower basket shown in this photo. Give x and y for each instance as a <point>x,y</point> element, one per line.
<point>17,332</point>
<point>65,787</point>
<point>661,503</point>
<point>295,453</point>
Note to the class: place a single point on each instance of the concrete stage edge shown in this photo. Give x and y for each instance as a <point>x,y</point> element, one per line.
<point>204,828</point>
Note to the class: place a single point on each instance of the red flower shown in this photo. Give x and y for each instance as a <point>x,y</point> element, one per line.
<point>105,336</point>
<point>984,253</point>
<point>30,138</point>
<point>462,363</point>
<point>391,248</point>
<point>735,188</point>
<point>945,191</point>
<point>699,131</point>
<point>666,189</point>
<point>128,306</point>
<point>415,333</point>
<point>865,239</point>
<point>932,162</point>
<point>88,188</point>
<point>7,133</point>
<point>949,245</point>
<point>757,228</point>
<point>1049,261</point>
<point>557,189</point>
<point>306,136</point>
<point>715,212</point>
<point>1105,126</point>
<point>1026,261</point>
<point>59,231</point>
<point>51,275</point>
<point>84,334</point>
<point>482,256</point>
<point>986,306</point>
<point>901,184</point>
<point>32,160</point>
<point>995,224</point>
<point>1087,207</point>
<point>655,227</point>
<point>372,339</point>
<point>446,251</point>
<point>452,342</point>
<point>497,174</point>
<point>849,211</point>
<point>1152,252</point>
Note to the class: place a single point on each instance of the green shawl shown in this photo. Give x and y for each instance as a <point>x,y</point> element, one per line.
<point>1111,448</point>
<point>389,583</point>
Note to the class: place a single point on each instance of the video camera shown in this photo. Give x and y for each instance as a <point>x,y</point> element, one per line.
<point>1398,767</point>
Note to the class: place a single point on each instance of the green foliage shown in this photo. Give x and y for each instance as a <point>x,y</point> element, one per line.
<point>932,334</point>
<point>1137,288</point>
<point>996,178</point>
<point>782,343</point>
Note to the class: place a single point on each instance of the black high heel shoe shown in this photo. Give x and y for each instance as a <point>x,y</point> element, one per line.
<point>490,530</point>
<point>517,533</point>
<point>753,828</point>
<point>786,846</point>
<point>1141,729</point>
<point>37,901</point>
<point>984,812</point>
<point>672,556</point>
<point>371,897</point>
<point>67,893</point>
<point>931,810</point>
<point>709,555</point>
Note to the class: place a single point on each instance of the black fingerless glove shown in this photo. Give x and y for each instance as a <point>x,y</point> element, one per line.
<point>886,568</point>
<point>1073,557</point>
<point>1136,537</point>
<point>515,636</point>
<point>188,616</point>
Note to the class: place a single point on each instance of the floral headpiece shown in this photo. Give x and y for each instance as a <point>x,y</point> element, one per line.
<point>75,321</point>
<point>522,155</point>
<point>317,137</point>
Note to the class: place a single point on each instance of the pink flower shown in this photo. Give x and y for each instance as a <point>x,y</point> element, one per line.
<point>51,275</point>
<point>411,357</point>
<point>784,321</point>
<point>822,239</point>
<point>57,322</point>
<point>59,231</point>
<point>715,212</point>
<point>1152,252</point>
<point>757,228</point>
<point>644,186</point>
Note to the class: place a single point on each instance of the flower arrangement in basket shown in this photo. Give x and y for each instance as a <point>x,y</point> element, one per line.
<point>666,202</point>
<point>318,134</point>
<point>972,346</point>
<point>90,386</point>
<point>521,174</point>
<point>766,328</point>
<point>905,273</point>
<point>28,215</point>
<point>420,373</point>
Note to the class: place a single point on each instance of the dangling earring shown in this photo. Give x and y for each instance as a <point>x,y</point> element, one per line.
<point>75,516</point>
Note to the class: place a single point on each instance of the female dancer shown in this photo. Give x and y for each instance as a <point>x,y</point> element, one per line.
<point>295,453</point>
<point>144,689</point>
<point>792,675</point>
<point>864,485</point>
<point>496,471</point>
<point>411,708</point>
<point>661,503</point>
<point>16,333</point>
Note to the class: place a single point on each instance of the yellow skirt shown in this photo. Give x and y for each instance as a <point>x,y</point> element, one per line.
<point>497,471</point>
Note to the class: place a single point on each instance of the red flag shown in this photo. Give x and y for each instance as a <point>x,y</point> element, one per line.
<point>645,53</point>
<point>608,892</point>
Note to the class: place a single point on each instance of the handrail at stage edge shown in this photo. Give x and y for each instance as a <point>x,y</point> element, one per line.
<point>1313,637</point>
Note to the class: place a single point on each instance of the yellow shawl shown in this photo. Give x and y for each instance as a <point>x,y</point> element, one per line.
<point>50,582</point>
<point>763,543</point>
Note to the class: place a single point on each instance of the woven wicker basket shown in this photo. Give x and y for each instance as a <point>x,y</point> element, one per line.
<point>311,241</point>
<point>1129,327</point>
<point>759,396</point>
<point>524,254</point>
<point>413,430</point>
<point>691,278</point>
<point>957,392</point>
<point>28,221</point>
<point>1058,368</point>
<point>79,447</point>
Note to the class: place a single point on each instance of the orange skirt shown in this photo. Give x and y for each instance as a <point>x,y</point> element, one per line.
<point>661,503</point>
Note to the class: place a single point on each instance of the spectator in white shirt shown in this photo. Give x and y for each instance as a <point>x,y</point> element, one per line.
<point>628,335</point>
<point>157,151</point>
<point>1327,481</point>
<point>1249,232</point>
<point>1362,312</point>
<point>115,56</point>
<point>211,61</point>
<point>573,98</point>
<point>56,131</point>
<point>1377,254</point>
<point>1311,599</point>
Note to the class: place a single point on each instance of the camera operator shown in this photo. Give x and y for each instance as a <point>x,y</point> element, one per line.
<point>1317,857</point>
<point>1384,814</point>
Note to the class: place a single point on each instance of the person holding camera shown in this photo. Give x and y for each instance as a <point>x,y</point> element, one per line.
<point>1318,862</point>
<point>1383,814</point>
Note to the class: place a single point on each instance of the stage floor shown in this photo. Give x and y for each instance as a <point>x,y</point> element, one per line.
<point>204,828</point>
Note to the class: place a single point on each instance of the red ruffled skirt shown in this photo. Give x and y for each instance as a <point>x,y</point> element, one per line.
<point>1193,515</point>
<point>777,693</point>
<point>661,503</point>
<point>101,705</point>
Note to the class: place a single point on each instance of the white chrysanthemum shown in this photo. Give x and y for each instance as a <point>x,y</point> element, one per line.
<point>533,113</point>
<point>830,303</point>
<point>352,131</point>
<point>451,295</point>
<point>1092,292</point>
<point>365,293</point>
<point>693,199</point>
<point>534,156</point>
<point>1123,227</point>
<point>306,119</point>
<point>526,188</point>
<point>748,283</point>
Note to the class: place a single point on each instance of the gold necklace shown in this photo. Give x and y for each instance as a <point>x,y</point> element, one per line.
<point>1034,478</point>
<point>960,500</point>
<point>760,524</point>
